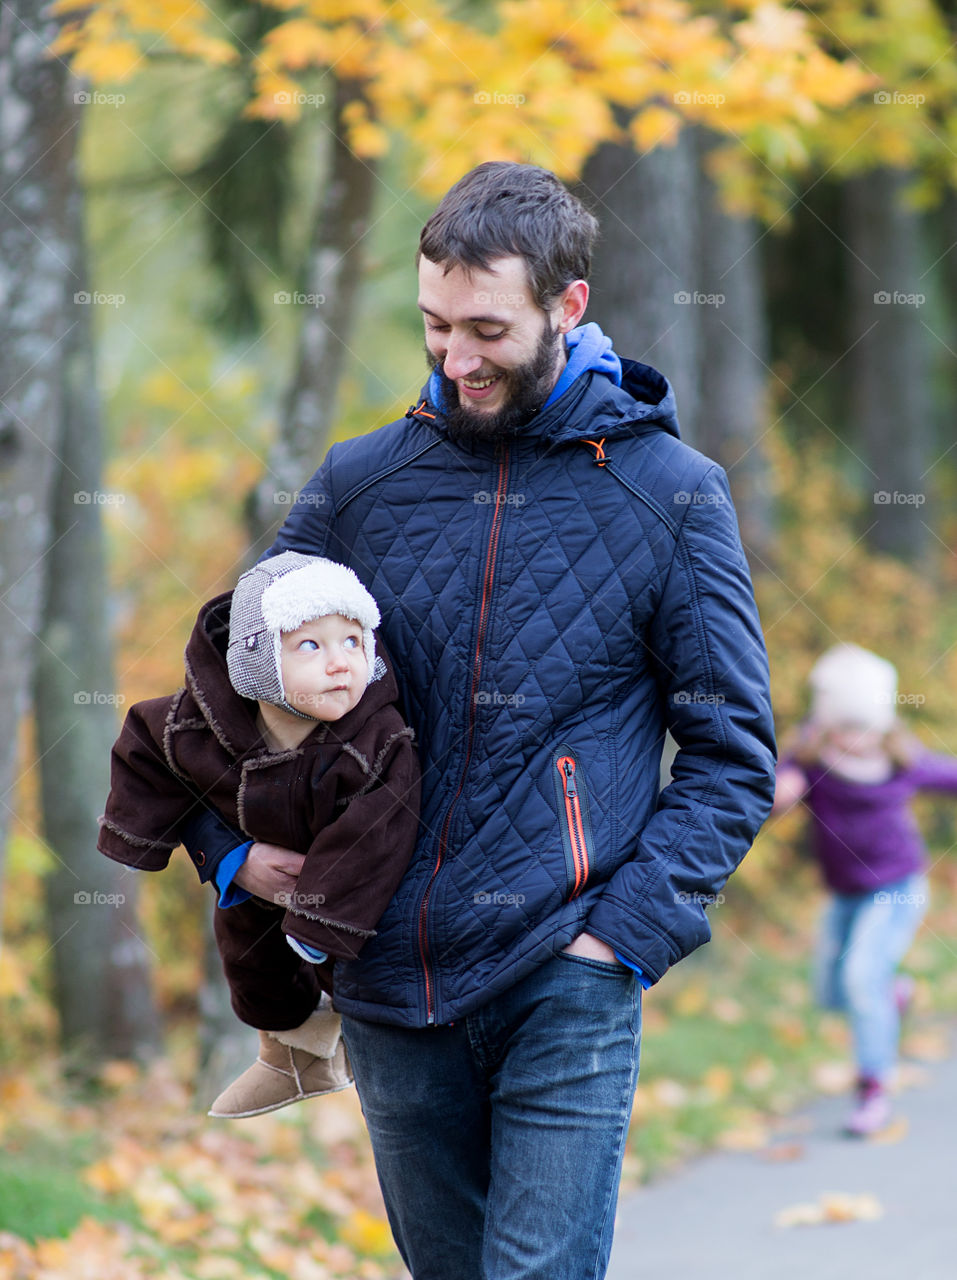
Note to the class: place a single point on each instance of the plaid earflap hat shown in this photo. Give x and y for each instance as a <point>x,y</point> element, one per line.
<point>280,594</point>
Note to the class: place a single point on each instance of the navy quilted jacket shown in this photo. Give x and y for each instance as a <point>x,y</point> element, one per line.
<point>552,605</point>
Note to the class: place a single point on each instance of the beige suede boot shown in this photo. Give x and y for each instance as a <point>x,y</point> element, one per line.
<point>302,1063</point>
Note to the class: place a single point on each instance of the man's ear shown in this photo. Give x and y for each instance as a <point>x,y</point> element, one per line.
<point>571,305</point>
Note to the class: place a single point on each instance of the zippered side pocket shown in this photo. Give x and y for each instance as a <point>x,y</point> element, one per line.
<point>574,820</point>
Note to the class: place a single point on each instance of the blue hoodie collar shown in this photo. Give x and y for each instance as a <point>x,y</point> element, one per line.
<point>588,348</point>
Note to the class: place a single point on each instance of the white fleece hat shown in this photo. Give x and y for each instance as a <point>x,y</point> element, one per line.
<point>851,685</point>
<point>280,594</point>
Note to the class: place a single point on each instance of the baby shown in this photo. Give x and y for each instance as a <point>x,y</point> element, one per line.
<point>288,726</point>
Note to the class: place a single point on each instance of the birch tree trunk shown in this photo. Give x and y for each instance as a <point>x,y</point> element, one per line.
<point>645,271</point>
<point>327,309</point>
<point>100,961</point>
<point>36,144</point>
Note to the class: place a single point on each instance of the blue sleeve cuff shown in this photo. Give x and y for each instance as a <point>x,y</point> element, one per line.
<point>645,982</point>
<point>312,954</point>
<point>231,894</point>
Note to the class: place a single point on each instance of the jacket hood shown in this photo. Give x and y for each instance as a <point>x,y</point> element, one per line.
<point>593,405</point>
<point>232,718</point>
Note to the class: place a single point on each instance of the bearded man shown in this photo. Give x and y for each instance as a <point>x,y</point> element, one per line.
<point>561,581</point>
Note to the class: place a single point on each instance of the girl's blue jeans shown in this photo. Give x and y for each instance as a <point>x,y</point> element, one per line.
<point>499,1139</point>
<point>863,938</point>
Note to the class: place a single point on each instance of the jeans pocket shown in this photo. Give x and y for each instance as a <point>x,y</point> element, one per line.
<point>610,968</point>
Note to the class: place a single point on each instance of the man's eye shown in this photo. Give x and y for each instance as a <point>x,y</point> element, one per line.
<point>490,337</point>
<point>436,328</point>
<point>308,644</point>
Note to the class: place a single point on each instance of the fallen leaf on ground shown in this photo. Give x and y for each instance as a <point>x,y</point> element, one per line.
<point>894,1132</point>
<point>783,1152</point>
<point>927,1046</point>
<point>832,1206</point>
<point>752,1135</point>
<point>759,1073</point>
<point>718,1081</point>
<point>726,1009</point>
<point>833,1077</point>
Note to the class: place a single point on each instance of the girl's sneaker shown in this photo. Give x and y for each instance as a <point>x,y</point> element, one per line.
<point>872,1111</point>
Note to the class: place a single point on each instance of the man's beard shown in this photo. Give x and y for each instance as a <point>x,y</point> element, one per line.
<point>527,387</point>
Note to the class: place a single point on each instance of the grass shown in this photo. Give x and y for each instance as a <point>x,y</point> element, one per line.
<point>42,1193</point>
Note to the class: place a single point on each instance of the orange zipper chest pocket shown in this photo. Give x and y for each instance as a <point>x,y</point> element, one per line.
<point>574,819</point>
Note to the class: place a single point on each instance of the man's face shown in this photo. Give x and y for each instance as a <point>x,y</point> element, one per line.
<point>324,668</point>
<point>496,351</point>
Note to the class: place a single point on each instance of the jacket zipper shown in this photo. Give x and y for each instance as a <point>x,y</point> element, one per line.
<point>576,821</point>
<point>487,581</point>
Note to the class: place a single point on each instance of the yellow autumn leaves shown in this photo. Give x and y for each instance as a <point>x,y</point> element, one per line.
<point>212,1201</point>
<point>542,80</point>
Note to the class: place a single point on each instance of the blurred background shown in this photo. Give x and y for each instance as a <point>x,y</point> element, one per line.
<point>208,219</point>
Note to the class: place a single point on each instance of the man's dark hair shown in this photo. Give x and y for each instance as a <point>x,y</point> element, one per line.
<point>500,209</point>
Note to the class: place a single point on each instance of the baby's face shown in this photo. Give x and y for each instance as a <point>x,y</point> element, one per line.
<point>324,668</point>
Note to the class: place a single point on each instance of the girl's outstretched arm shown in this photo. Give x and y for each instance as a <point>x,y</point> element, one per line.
<point>790,785</point>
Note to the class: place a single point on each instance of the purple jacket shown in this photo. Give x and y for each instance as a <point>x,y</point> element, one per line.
<point>864,833</point>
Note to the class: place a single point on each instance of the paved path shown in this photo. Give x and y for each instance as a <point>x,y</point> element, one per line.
<point>714,1220</point>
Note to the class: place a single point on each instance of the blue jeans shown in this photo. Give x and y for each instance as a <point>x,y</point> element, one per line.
<point>863,938</point>
<point>498,1139</point>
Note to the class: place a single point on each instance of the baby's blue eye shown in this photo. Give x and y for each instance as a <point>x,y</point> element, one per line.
<point>308,644</point>
<point>352,641</point>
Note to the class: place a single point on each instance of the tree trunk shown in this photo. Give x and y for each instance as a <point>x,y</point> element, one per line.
<point>645,273</point>
<point>100,962</point>
<point>35,150</point>
<point>330,292</point>
<point>733,354</point>
<point>890,401</point>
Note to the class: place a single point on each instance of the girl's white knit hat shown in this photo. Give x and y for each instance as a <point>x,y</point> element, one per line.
<point>851,685</point>
<point>280,594</point>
